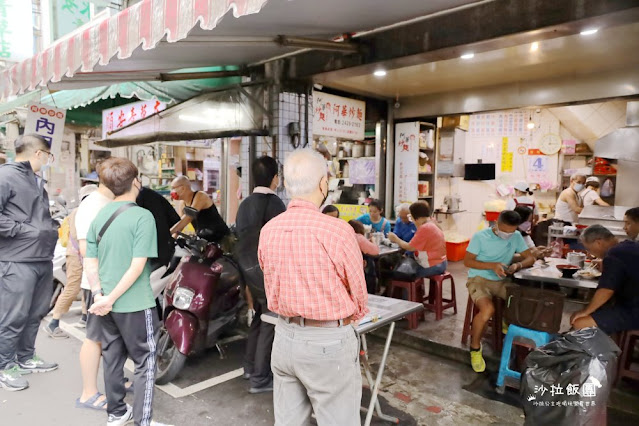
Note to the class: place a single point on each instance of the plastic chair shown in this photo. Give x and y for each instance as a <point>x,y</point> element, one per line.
<point>494,324</point>
<point>538,338</point>
<point>435,301</point>
<point>415,291</point>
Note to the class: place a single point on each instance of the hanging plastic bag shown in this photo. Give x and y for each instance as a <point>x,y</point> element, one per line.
<point>608,188</point>
<point>567,382</point>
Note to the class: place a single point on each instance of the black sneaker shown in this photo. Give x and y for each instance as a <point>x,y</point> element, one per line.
<point>264,389</point>
<point>125,419</point>
<point>11,379</point>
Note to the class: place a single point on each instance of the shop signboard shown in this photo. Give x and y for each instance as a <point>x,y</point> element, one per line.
<point>68,15</point>
<point>47,122</point>
<point>118,117</point>
<point>406,162</point>
<point>351,211</point>
<point>16,31</point>
<point>338,117</point>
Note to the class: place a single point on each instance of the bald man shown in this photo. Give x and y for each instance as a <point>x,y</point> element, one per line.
<point>205,218</point>
<point>27,239</point>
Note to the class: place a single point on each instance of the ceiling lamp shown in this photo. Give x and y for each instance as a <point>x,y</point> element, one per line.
<point>468,55</point>
<point>589,32</point>
<point>531,123</point>
<point>380,73</point>
<point>534,47</point>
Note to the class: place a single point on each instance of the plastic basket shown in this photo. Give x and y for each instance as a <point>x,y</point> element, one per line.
<point>492,216</point>
<point>456,251</point>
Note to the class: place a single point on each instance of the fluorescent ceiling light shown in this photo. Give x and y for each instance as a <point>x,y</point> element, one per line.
<point>380,73</point>
<point>468,56</point>
<point>589,32</point>
<point>534,47</point>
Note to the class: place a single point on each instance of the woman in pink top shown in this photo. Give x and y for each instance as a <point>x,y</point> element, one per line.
<point>365,245</point>
<point>428,243</point>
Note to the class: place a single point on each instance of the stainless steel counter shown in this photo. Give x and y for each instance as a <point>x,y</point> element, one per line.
<point>610,217</point>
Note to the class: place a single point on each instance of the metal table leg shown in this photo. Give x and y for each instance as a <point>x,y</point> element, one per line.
<point>374,403</point>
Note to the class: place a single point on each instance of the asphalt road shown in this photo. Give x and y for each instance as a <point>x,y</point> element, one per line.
<point>417,388</point>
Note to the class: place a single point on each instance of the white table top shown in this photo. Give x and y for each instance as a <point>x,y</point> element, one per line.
<point>383,311</point>
<point>551,274</point>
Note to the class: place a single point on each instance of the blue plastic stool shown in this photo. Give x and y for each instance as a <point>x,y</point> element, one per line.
<point>539,338</point>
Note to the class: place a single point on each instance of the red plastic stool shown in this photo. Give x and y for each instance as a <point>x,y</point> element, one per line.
<point>435,300</point>
<point>494,323</point>
<point>415,291</point>
<point>628,341</point>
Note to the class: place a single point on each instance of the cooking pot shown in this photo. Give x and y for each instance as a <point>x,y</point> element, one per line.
<point>369,149</point>
<point>358,150</point>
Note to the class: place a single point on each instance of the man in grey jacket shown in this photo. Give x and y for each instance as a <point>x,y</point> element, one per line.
<point>27,239</point>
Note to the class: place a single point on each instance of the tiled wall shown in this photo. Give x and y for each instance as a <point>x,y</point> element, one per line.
<point>291,109</point>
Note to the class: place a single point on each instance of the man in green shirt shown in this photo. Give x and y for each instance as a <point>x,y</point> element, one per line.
<point>120,240</point>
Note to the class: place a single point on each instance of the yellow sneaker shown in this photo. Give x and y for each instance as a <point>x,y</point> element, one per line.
<point>504,327</point>
<point>477,361</point>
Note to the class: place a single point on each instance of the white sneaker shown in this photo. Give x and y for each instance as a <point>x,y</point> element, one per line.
<point>125,419</point>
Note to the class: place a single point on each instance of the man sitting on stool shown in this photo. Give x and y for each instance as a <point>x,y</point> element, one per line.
<point>620,278</point>
<point>488,255</point>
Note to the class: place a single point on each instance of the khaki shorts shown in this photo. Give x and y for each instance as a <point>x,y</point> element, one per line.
<point>480,287</point>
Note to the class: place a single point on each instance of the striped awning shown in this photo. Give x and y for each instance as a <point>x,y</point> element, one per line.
<point>144,24</point>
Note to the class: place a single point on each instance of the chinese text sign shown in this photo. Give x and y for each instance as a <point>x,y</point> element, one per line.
<point>338,117</point>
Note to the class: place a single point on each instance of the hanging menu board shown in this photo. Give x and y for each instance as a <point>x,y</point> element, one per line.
<point>406,162</point>
<point>338,117</point>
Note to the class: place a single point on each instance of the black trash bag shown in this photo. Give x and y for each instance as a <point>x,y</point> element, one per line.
<point>568,381</point>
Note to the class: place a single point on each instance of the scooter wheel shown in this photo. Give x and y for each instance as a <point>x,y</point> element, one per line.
<point>169,360</point>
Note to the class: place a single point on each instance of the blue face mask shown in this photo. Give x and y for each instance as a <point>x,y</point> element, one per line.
<point>579,187</point>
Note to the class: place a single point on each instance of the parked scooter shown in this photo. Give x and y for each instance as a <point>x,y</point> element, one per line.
<point>201,302</point>
<point>59,273</point>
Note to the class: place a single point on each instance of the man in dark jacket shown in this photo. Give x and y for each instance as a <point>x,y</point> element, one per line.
<point>254,212</point>
<point>27,240</point>
<point>165,217</point>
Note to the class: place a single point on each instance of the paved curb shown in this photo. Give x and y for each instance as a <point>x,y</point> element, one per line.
<point>622,399</point>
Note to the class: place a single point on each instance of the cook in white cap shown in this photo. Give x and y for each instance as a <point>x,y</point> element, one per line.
<point>590,194</point>
<point>523,197</point>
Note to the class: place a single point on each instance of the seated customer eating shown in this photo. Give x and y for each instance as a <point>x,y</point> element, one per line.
<point>375,219</point>
<point>615,305</point>
<point>488,256</point>
<point>428,244</point>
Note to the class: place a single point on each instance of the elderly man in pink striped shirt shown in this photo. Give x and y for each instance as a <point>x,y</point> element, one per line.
<point>314,281</point>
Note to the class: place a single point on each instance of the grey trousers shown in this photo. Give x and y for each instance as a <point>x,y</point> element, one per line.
<point>26,289</point>
<point>316,370</point>
<point>135,335</point>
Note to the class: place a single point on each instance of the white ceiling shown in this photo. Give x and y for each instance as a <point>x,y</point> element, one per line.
<point>610,48</point>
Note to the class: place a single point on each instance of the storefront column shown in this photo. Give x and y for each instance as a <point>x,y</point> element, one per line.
<point>390,161</point>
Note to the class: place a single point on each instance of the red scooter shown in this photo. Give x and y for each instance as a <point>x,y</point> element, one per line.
<point>201,303</point>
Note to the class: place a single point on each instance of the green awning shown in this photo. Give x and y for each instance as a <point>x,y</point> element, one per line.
<point>79,102</point>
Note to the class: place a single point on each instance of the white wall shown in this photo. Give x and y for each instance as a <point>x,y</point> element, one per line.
<point>489,148</point>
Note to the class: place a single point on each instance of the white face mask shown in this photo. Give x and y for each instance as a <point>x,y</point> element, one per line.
<point>579,187</point>
<point>504,235</point>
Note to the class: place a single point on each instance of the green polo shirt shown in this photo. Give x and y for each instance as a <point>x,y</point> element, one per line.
<point>131,235</point>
